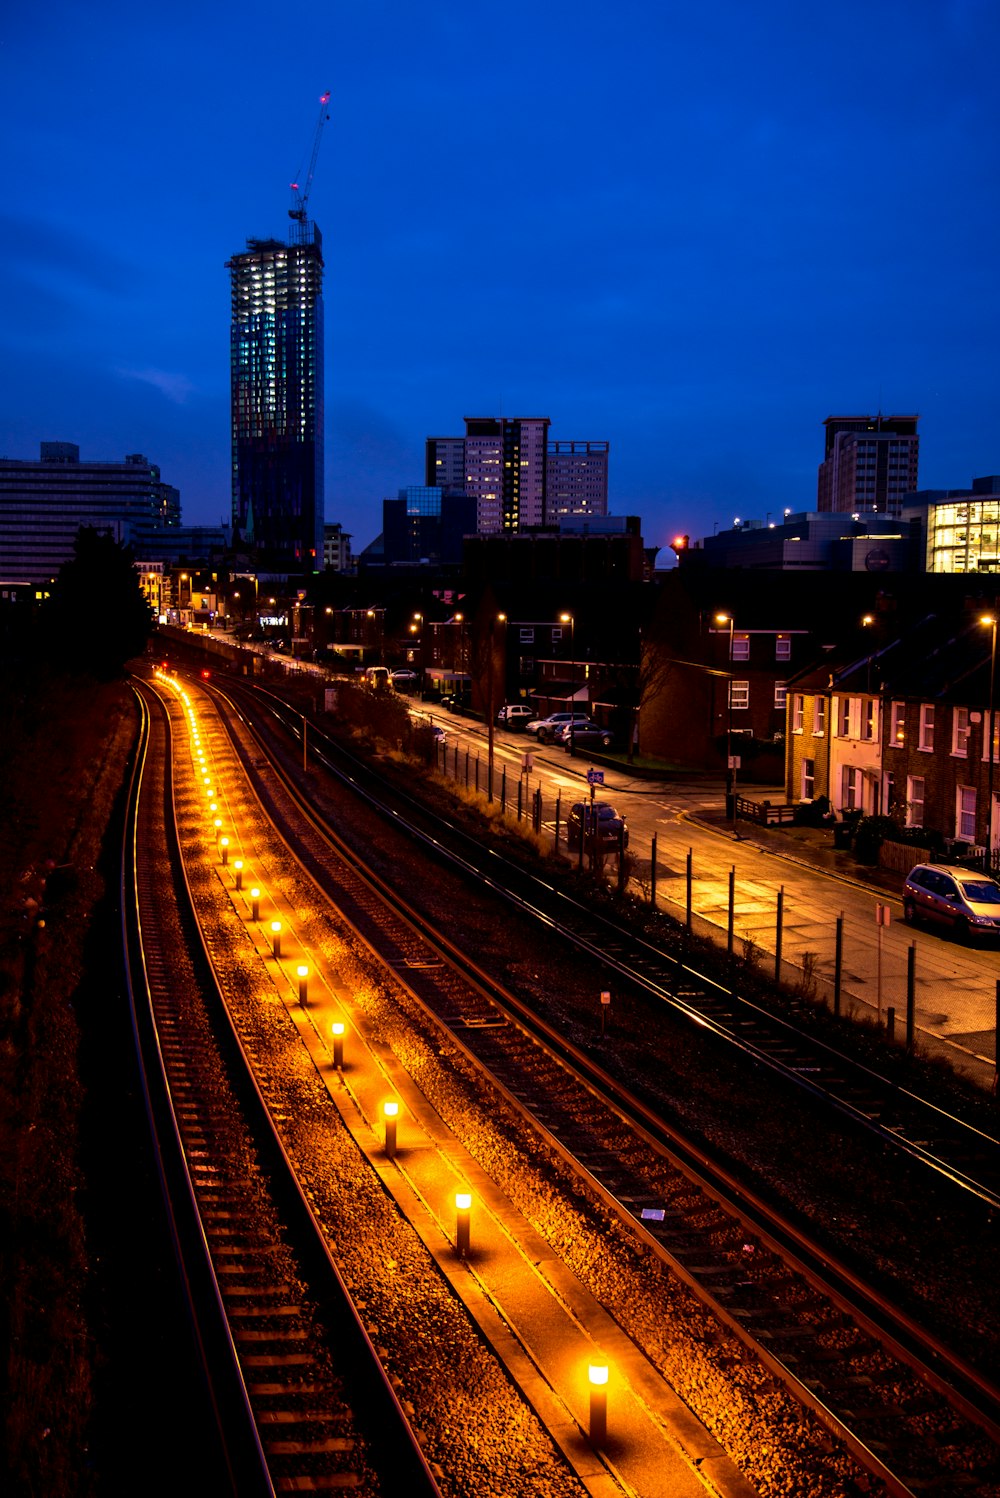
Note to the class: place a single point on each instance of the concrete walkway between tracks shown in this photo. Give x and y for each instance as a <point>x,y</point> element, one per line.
<point>543,1324</point>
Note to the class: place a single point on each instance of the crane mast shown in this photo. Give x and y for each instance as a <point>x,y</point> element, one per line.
<point>301,193</point>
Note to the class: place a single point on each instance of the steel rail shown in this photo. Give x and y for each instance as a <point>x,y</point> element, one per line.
<point>400,1460</point>
<point>571,915</point>
<point>902,1337</point>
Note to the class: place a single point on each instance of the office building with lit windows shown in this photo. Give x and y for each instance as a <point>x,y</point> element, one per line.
<point>576,479</point>
<point>44,503</point>
<point>518,477</point>
<point>276,368</point>
<point>963,526</point>
<point>869,465</point>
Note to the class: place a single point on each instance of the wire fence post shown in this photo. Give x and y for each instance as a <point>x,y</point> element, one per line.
<point>477,774</point>
<point>732,910</point>
<point>558,812</point>
<point>467,769</point>
<point>503,792</point>
<point>538,809</point>
<point>838,964</point>
<point>779,919</point>
<point>520,796</point>
<point>652,873</point>
<point>911,989</point>
<point>690,863</point>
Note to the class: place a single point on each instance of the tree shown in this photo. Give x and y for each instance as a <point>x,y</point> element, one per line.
<point>97,617</point>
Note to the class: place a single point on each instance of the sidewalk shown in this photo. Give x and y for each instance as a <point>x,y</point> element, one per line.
<point>810,846</point>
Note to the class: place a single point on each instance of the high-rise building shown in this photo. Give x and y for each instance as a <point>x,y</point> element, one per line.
<point>518,478</point>
<point>276,369</point>
<point>576,481</point>
<point>44,503</point>
<point>870,464</point>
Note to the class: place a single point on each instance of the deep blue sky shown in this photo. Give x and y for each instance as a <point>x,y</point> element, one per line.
<point>694,231</point>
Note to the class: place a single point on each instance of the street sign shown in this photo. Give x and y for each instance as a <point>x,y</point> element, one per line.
<point>735,761</point>
<point>595,777</point>
<point>606,997</point>
<point>527,761</point>
<point>883,915</point>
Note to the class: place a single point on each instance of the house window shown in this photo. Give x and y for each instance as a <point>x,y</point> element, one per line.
<point>798,712</point>
<point>869,719</point>
<point>783,648</point>
<point>914,800</point>
<point>526,665</point>
<point>850,788</point>
<point>844,717</point>
<point>819,717</point>
<point>897,733</point>
<point>741,648</point>
<point>965,818</point>
<point>739,695</point>
<point>527,635</point>
<point>808,779</point>
<point>960,731</point>
<point>996,734</point>
<point>780,693</point>
<point>926,739</point>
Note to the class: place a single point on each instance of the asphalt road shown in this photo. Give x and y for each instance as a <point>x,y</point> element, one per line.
<point>955,987</point>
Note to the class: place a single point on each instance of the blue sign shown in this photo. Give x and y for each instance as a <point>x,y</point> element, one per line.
<point>595,777</point>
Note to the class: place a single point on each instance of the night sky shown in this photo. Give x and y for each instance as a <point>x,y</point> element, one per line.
<point>694,231</point>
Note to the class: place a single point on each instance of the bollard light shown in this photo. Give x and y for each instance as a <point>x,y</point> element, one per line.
<point>255,904</point>
<point>302,973</point>
<point>598,1404</point>
<point>338,1044</point>
<point>276,937</point>
<point>391,1112</point>
<point>224,849</point>
<point>463,1208</point>
<point>238,871</point>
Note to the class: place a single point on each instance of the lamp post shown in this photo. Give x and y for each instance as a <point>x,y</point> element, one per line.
<point>568,619</point>
<point>491,710</point>
<point>730,768</point>
<point>991,620</point>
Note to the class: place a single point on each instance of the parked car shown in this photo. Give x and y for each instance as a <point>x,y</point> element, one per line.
<point>405,680</point>
<point>612,829</point>
<point>552,721</point>
<point>547,729</point>
<point>591,736</point>
<point>515,715</point>
<point>963,902</point>
<point>575,725</point>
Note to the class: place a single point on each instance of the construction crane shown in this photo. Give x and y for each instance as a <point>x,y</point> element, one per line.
<point>301,198</point>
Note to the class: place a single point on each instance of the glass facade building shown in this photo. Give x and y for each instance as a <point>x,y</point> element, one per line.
<point>963,527</point>
<point>276,367</point>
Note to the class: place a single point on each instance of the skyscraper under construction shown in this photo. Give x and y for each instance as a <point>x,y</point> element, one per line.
<point>276,369</point>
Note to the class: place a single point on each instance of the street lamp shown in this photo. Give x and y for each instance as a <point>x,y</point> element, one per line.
<point>991,620</point>
<point>491,711</point>
<point>568,619</point>
<point>730,767</point>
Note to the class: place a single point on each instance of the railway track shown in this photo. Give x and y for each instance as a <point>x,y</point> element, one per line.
<point>912,1415</point>
<point>948,1146</point>
<point>297,1388</point>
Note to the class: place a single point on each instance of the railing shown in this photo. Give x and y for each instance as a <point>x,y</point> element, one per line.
<point>764,813</point>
